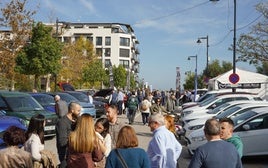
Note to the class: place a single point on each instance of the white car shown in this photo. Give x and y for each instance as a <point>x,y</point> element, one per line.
<point>235,110</point>
<point>213,112</point>
<point>209,94</point>
<point>251,126</point>
<point>214,102</point>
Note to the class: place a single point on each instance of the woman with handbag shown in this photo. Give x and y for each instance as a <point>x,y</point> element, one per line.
<point>127,154</point>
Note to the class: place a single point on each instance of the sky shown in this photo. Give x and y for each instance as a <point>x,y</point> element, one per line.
<point>167,30</point>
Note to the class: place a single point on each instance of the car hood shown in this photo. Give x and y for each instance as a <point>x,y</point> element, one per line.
<point>7,121</point>
<point>28,114</point>
<point>103,93</point>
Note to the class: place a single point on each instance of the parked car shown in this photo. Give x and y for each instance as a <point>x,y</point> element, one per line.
<point>82,97</point>
<point>211,94</point>
<point>103,95</point>
<point>235,110</point>
<point>6,122</point>
<point>215,111</point>
<point>65,86</point>
<point>86,107</point>
<point>24,106</point>
<point>214,102</point>
<point>47,101</point>
<point>252,128</point>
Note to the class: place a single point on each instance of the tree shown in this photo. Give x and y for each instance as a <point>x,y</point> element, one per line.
<point>77,56</point>
<point>253,47</point>
<point>94,73</point>
<point>41,56</point>
<point>19,22</point>
<point>214,69</point>
<point>120,76</point>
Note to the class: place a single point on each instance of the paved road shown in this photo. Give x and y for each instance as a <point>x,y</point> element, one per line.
<point>144,136</point>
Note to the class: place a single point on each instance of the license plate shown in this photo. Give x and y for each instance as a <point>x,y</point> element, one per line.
<point>48,128</point>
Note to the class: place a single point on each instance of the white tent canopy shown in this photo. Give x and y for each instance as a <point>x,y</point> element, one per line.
<point>254,82</point>
<point>245,77</point>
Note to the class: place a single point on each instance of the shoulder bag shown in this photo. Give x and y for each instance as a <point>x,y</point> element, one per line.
<point>121,159</point>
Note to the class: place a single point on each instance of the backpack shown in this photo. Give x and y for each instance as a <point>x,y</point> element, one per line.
<point>132,103</point>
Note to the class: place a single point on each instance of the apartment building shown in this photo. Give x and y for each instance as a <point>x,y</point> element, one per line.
<point>115,43</point>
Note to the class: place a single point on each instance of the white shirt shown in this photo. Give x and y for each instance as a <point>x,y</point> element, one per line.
<point>34,146</point>
<point>107,142</point>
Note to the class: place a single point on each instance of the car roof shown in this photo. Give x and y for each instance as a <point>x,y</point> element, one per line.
<point>13,93</point>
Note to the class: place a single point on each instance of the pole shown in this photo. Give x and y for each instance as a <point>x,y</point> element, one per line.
<point>195,79</point>
<point>234,43</point>
<point>57,32</point>
<point>207,55</point>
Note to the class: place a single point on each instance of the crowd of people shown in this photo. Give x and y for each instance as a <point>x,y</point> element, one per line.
<point>107,142</point>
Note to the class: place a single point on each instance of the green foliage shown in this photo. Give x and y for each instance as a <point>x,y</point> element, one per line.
<point>77,56</point>
<point>214,69</point>
<point>42,56</point>
<point>94,73</point>
<point>253,46</point>
<point>19,22</point>
<point>120,76</point>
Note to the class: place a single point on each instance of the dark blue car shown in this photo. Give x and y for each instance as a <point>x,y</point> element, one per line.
<point>7,121</point>
<point>47,101</point>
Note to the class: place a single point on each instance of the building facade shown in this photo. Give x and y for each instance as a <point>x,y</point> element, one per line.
<point>115,43</point>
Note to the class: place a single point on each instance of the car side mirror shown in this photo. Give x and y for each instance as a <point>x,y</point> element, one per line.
<point>246,127</point>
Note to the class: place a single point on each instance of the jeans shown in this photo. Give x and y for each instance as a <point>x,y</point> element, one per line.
<point>145,117</point>
<point>131,115</point>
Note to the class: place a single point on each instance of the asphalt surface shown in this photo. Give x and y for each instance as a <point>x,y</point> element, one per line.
<point>144,135</point>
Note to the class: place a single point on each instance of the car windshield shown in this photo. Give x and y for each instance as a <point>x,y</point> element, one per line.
<point>205,97</point>
<point>240,118</point>
<point>44,100</point>
<point>68,98</point>
<point>23,103</point>
<point>80,96</point>
<point>228,112</point>
<point>208,101</point>
<point>219,108</point>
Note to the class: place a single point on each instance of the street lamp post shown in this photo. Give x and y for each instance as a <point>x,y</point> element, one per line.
<point>195,76</point>
<point>234,40</point>
<point>199,41</point>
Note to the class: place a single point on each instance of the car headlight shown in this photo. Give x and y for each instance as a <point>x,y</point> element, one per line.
<point>199,138</point>
<point>195,127</point>
<point>187,112</point>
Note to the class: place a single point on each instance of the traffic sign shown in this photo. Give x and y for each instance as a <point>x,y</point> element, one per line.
<point>234,78</point>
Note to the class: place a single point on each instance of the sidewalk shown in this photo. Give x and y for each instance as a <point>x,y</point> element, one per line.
<point>142,131</point>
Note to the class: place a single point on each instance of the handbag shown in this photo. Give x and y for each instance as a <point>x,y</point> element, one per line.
<point>121,159</point>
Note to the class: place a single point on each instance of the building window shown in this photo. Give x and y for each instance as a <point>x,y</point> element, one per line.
<point>90,38</point>
<point>124,52</point>
<point>125,63</point>
<point>107,63</point>
<point>124,41</point>
<point>67,39</point>
<point>108,41</point>
<point>99,52</point>
<point>107,52</point>
<point>98,40</point>
<point>76,38</point>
